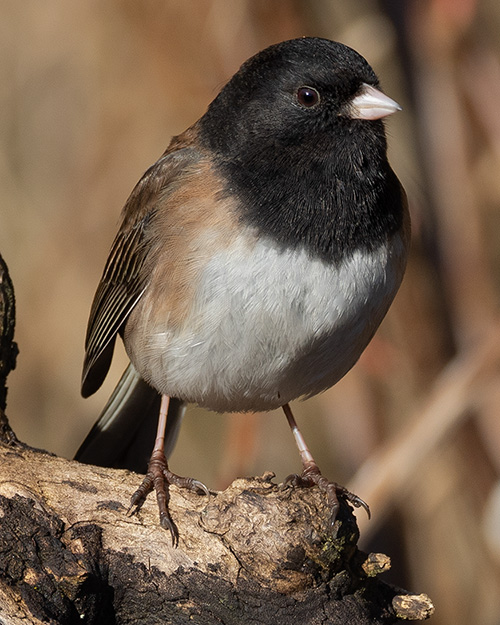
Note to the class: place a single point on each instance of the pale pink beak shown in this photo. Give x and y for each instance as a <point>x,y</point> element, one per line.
<point>371,103</point>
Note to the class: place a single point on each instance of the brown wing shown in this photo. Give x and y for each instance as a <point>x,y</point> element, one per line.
<point>123,282</point>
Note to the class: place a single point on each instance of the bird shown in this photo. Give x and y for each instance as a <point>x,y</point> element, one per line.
<point>253,262</point>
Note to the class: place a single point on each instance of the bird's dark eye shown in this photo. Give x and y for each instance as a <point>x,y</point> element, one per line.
<point>307,97</point>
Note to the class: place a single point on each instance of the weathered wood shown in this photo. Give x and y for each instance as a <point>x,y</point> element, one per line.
<point>255,553</point>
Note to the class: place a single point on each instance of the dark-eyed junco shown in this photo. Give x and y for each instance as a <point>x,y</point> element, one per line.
<point>254,260</point>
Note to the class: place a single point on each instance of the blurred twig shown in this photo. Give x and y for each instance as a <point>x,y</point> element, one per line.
<point>387,475</point>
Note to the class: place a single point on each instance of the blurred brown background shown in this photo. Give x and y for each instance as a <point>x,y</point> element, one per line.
<point>91,93</point>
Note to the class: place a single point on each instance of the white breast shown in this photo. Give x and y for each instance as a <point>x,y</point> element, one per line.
<point>271,325</point>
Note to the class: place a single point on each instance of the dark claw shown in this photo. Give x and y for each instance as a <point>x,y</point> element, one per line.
<point>293,480</point>
<point>139,497</point>
<point>159,478</point>
<point>311,476</point>
<point>167,524</point>
<point>186,482</point>
<point>357,502</point>
<point>201,488</point>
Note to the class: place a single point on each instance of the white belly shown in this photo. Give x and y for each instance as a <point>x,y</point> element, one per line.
<point>269,326</point>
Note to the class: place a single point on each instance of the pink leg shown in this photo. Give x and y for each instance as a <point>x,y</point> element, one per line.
<point>159,478</point>
<point>311,475</point>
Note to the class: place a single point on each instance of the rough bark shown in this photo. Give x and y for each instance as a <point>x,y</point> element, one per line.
<point>8,349</point>
<point>256,553</point>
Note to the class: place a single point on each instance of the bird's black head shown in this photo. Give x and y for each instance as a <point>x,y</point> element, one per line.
<point>290,93</point>
<point>288,133</point>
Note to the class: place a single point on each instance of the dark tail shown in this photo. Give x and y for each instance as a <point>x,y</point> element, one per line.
<point>124,434</point>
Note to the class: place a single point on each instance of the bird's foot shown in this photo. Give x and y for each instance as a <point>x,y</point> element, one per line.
<point>311,476</point>
<point>159,478</point>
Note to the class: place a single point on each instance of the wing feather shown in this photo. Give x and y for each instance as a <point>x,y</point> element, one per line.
<point>123,283</point>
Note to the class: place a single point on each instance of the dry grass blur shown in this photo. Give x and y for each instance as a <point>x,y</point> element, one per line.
<point>91,93</point>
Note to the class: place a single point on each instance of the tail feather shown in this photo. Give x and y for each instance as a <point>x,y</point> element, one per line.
<point>124,434</point>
